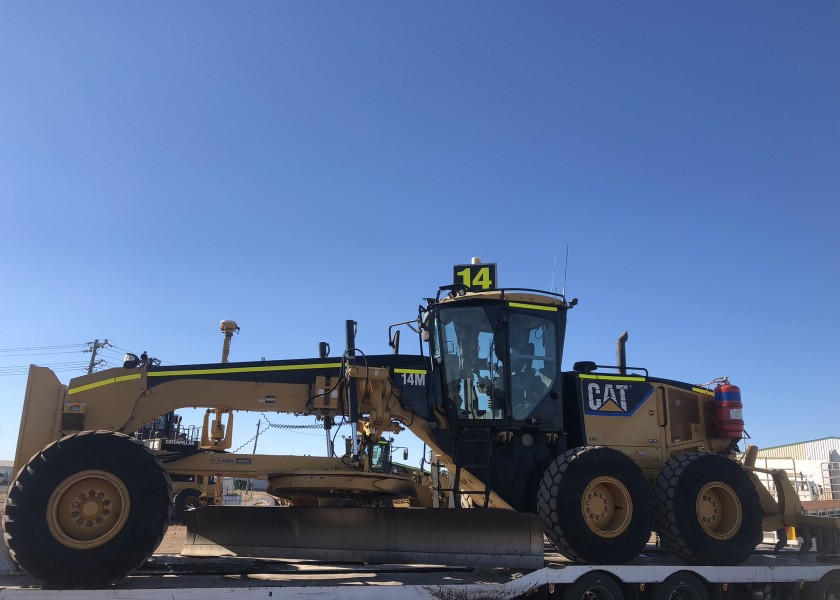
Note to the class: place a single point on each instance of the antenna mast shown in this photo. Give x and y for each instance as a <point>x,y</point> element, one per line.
<point>565,270</point>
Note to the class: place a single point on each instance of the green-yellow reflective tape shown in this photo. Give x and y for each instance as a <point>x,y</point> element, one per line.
<point>91,386</point>
<point>411,371</point>
<point>225,371</point>
<point>532,306</point>
<point>702,391</point>
<point>187,372</point>
<point>611,377</point>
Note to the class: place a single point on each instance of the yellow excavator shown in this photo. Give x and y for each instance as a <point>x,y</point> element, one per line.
<point>596,458</point>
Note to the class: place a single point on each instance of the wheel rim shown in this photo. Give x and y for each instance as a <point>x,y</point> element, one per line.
<point>597,592</point>
<point>88,509</point>
<point>684,592</point>
<point>192,502</point>
<point>719,510</point>
<point>606,506</point>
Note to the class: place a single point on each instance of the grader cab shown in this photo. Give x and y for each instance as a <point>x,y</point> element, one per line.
<point>596,458</point>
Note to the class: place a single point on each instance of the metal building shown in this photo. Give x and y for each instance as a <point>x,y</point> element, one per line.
<point>819,449</point>
<point>814,469</point>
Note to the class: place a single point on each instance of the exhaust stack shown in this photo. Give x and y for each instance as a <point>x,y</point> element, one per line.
<point>621,352</point>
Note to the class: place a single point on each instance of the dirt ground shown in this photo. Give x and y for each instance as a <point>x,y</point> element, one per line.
<point>173,540</point>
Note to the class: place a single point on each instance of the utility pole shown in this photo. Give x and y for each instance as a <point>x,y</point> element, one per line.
<point>257,437</point>
<point>96,346</point>
<point>254,451</point>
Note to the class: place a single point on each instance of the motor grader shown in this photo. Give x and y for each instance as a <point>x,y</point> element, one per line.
<point>603,455</point>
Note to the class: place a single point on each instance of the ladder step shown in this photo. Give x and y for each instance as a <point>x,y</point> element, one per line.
<point>482,446</point>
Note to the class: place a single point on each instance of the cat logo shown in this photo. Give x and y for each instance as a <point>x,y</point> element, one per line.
<point>614,396</point>
<point>607,398</point>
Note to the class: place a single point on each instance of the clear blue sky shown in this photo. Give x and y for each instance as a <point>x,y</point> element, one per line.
<point>290,165</point>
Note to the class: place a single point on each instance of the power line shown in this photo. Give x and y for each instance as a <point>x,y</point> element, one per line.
<point>44,353</point>
<point>51,365</point>
<point>58,349</point>
<point>24,371</point>
<point>122,351</point>
<point>103,354</point>
<point>22,349</point>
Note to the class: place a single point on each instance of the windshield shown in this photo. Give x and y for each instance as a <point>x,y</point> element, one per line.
<point>473,350</point>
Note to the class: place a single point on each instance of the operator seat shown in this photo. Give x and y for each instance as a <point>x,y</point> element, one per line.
<point>523,359</point>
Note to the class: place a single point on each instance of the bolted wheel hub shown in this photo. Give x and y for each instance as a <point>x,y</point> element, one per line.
<point>606,506</point>
<point>88,509</point>
<point>719,510</point>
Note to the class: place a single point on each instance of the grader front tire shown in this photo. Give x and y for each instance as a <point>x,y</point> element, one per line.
<point>87,510</point>
<point>596,506</point>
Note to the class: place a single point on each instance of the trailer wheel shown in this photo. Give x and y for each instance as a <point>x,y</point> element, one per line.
<point>186,499</point>
<point>681,585</point>
<point>707,510</point>
<point>87,510</point>
<point>827,588</point>
<point>596,506</point>
<point>595,585</point>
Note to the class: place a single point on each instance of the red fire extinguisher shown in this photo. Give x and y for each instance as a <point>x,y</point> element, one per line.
<point>728,410</point>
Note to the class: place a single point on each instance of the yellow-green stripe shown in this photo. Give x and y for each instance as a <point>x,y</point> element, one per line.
<point>91,386</point>
<point>532,306</point>
<point>702,391</point>
<point>611,377</point>
<point>412,371</point>
<point>225,371</point>
<point>188,372</point>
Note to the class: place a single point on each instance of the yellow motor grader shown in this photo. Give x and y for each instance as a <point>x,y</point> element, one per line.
<point>596,457</point>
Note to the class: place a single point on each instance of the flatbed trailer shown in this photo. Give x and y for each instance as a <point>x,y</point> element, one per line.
<point>655,574</point>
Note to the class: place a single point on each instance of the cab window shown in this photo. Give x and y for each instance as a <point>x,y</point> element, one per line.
<point>471,344</point>
<point>533,362</point>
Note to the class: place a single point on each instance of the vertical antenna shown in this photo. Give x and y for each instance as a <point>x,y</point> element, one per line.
<point>566,270</point>
<point>553,269</point>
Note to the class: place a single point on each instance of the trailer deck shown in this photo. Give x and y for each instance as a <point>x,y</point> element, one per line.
<point>174,576</point>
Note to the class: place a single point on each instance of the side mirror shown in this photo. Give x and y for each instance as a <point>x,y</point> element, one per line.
<point>424,325</point>
<point>405,454</point>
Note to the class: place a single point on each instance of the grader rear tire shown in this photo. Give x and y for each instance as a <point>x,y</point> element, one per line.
<point>596,506</point>
<point>87,510</point>
<point>707,510</point>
